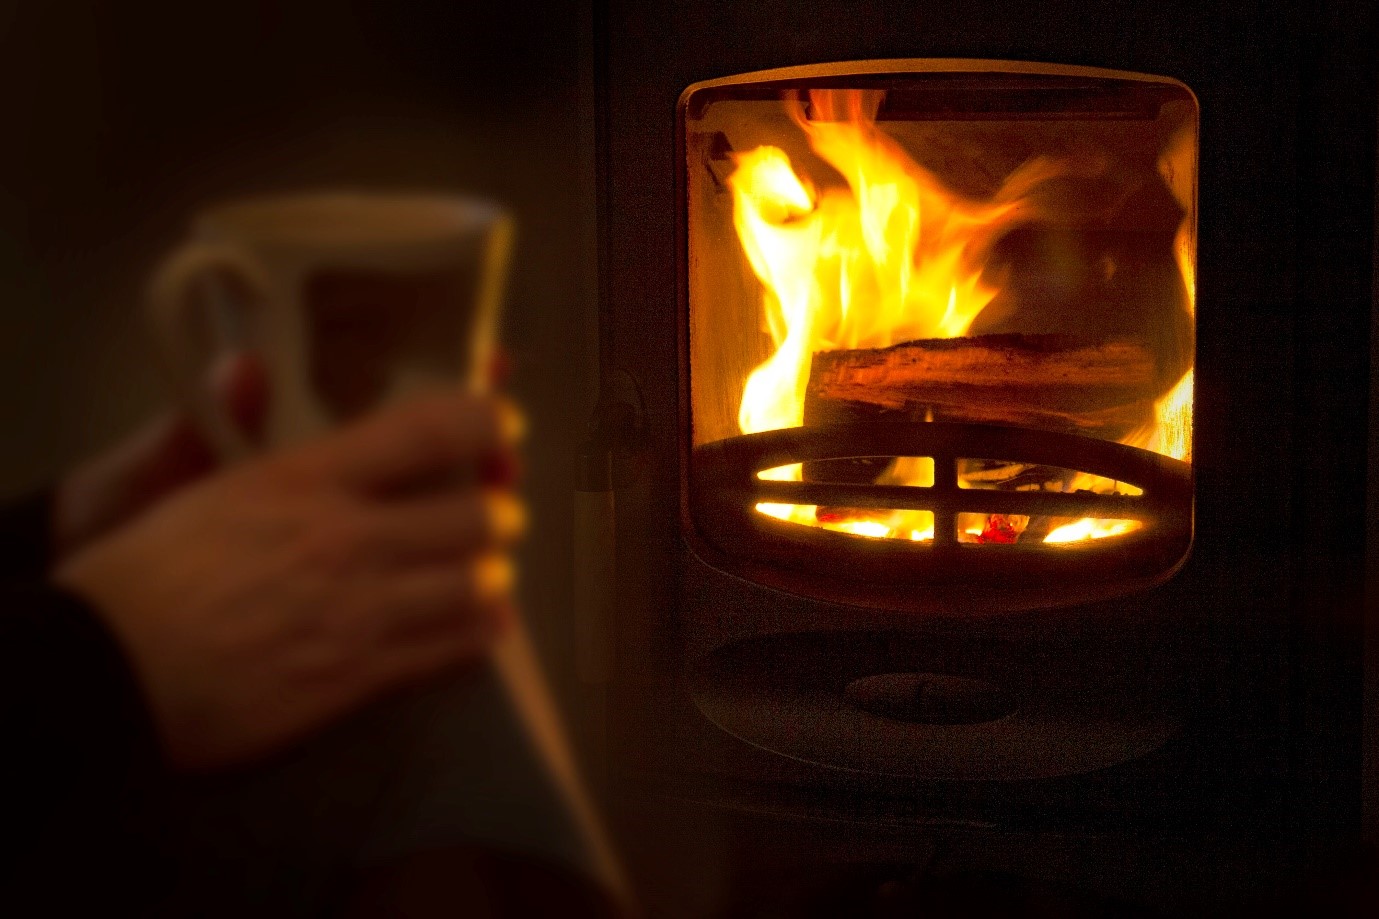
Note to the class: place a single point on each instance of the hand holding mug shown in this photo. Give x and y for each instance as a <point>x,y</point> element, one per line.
<point>267,600</point>
<point>261,602</point>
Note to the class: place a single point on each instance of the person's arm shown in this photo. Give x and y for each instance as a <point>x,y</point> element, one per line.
<point>66,691</point>
<point>79,738</point>
<point>69,702</point>
<point>80,743</point>
<point>80,749</point>
<point>80,753</point>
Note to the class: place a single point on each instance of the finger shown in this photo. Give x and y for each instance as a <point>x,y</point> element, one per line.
<point>240,384</point>
<point>445,528</point>
<point>174,450</point>
<point>443,597</point>
<point>167,455</point>
<point>429,436</point>
<point>110,489</point>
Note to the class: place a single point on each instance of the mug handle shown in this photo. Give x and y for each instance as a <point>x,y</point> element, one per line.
<point>170,306</point>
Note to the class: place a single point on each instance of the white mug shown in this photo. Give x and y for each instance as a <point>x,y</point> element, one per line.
<point>351,299</point>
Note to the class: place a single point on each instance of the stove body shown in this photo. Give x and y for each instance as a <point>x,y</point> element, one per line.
<point>1187,733</point>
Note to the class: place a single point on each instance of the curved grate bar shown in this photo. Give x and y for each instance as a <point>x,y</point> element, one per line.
<point>728,469</point>
<point>952,501</point>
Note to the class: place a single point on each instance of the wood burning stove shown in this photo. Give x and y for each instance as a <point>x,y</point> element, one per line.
<point>939,349</point>
<point>842,642</point>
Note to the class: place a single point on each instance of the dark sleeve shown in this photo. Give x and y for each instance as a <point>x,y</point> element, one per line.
<point>80,757</point>
<point>67,695</point>
<point>66,691</point>
<point>25,536</point>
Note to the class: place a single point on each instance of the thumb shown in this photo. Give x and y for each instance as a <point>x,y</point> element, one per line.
<point>170,451</point>
<point>177,450</point>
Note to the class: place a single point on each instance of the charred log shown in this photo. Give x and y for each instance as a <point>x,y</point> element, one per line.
<point>1101,389</point>
<point>1078,385</point>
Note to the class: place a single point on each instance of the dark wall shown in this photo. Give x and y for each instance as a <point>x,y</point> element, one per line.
<point>121,119</point>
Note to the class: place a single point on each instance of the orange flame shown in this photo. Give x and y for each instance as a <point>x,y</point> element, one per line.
<point>893,256</point>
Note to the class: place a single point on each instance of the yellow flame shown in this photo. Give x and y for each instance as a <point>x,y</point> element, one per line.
<point>893,255</point>
<point>917,526</point>
<point>1089,528</point>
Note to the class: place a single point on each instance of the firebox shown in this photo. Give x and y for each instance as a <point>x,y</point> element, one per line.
<point>940,330</point>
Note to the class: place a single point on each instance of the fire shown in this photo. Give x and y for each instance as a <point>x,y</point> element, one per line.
<point>892,255</point>
<point>1088,528</point>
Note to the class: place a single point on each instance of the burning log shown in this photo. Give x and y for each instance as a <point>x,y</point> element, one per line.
<point>1097,388</point>
<point>1079,385</point>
